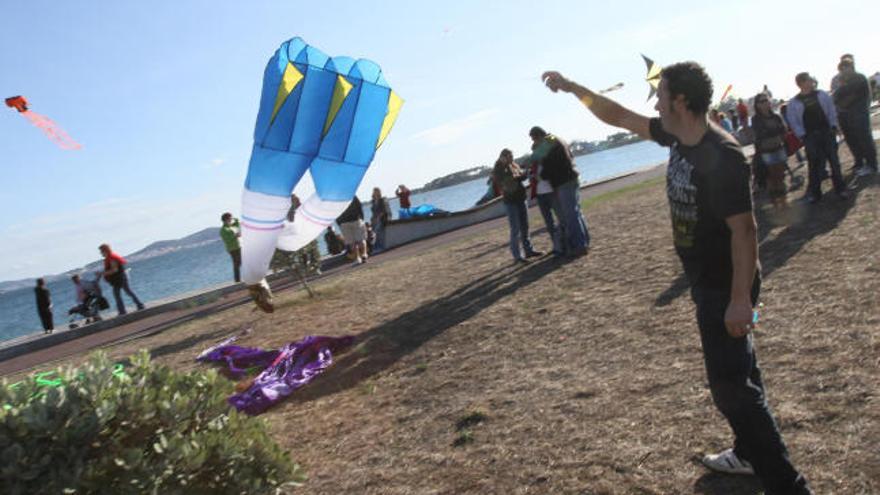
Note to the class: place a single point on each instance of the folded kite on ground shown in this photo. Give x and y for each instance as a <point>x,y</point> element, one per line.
<point>285,370</point>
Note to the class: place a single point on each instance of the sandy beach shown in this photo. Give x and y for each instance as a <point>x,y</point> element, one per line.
<point>474,375</point>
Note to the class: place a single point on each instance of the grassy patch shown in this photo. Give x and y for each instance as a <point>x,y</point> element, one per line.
<point>601,198</point>
<point>464,437</point>
<point>471,419</point>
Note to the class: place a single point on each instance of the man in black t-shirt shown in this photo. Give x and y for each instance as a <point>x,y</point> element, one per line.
<point>714,232</point>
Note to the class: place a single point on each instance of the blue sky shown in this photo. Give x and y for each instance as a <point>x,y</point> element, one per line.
<point>163,95</point>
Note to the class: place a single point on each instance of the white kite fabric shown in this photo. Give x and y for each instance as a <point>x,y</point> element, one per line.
<point>324,115</point>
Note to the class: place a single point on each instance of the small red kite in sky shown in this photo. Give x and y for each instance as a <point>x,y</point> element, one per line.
<point>49,128</point>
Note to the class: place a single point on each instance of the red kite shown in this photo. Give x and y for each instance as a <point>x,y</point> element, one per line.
<point>17,102</point>
<point>49,128</point>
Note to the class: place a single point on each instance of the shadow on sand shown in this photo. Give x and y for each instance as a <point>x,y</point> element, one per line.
<point>380,347</point>
<point>804,222</point>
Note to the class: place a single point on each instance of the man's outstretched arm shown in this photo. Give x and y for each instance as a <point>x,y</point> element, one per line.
<point>606,110</point>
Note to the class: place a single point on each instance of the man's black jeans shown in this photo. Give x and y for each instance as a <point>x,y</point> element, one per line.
<point>738,392</point>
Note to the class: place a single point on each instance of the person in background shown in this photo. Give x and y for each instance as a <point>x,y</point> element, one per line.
<point>742,110</point>
<point>508,176</point>
<point>769,132</point>
<point>351,221</point>
<point>307,257</point>
<point>853,101</point>
<point>813,119</point>
<point>44,305</point>
<point>725,123</point>
<point>715,237</point>
<point>557,168</point>
<point>371,238</point>
<point>381,214</point>
<point>544,197</point>
<point>114,274</point>
<point>836,80</point>
<point>334,244</point>
<point>799,156</point>
<point>735,121</point>
<point>230,232</point>
<point>403,194</point>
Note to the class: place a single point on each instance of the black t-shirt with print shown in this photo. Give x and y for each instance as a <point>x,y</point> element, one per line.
<point>705,184</point>
<point>814,116</point>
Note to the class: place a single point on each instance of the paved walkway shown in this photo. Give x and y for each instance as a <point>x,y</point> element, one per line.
<point>162,321</point>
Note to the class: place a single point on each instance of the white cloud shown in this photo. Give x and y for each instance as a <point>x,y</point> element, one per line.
<point>453,130</point>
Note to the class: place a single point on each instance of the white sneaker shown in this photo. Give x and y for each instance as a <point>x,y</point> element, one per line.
<point>728,462</point>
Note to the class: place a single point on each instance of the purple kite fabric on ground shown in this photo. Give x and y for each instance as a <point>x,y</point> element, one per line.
<point>285,370</point>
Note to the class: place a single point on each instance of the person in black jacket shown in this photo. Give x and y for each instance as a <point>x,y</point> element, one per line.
<point>44,305</point>
<point>557,168</point>
<point>853,101</point>
<point>354,231</point>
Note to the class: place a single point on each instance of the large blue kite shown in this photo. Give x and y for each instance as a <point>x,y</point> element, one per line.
<point>317,113</point>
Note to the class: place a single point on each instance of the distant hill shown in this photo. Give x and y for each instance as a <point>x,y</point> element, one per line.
<point>200,238</point>
<point>158,248</point>
<point>455,178</point>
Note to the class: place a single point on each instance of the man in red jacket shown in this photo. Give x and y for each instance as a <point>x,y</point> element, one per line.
<point>114,274</point>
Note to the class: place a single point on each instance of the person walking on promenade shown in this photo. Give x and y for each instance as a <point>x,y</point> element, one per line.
<point>853,101</point>
<point>715,236</point>
<point>44,305</point>
<point>557,168</point>
<point>381,214</point>
<point>508,177</point>
<point>769,130</point>
<point>114,274</point>
<point>230,232</point>
<point>351,222</point>
<point>813,119</point>
<point>403,194</point>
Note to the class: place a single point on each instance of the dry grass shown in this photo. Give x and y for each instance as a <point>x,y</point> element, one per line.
<point>471,375</point>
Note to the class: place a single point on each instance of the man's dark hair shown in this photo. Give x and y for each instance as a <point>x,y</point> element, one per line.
<point>848,56</point>
<point>690,80</point>
<point>537,132</point>
<point>802,77</point>
<point>40,282</point>
<point>225,216</point>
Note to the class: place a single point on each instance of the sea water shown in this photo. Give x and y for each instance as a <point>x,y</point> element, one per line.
<point>186,270</point>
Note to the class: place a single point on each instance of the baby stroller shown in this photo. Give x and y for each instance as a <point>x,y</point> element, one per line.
<point>89,310</point>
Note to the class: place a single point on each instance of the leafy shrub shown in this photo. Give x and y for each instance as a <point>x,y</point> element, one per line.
<point>148,430</point>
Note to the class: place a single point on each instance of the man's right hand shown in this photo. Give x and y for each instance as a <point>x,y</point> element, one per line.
<point>556,81</point>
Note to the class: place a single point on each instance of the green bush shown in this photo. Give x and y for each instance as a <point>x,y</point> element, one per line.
<point>148,430</point>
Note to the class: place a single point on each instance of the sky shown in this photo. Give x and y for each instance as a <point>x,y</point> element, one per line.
<point>163,95</point>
